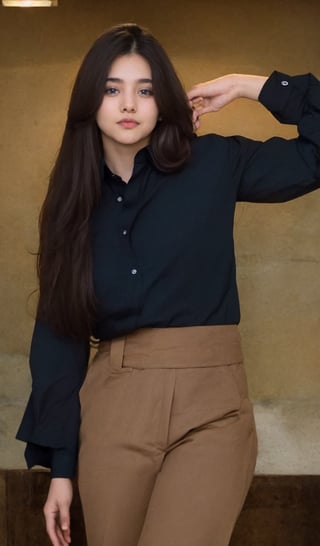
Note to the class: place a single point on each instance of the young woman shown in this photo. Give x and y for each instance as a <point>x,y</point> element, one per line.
<point>136,250</point>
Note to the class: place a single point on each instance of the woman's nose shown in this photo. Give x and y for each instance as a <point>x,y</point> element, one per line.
<point>126,108</point>
<point>128,104</point>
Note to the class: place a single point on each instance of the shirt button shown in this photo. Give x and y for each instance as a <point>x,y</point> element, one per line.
<point>124,232</point>
<point>134,271</point>
<point>119,198</point>
<point>284,83</point>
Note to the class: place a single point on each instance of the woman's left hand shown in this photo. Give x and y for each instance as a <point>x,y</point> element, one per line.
<point>212,95</point>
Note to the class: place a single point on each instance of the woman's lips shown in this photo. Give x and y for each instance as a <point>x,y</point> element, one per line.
<point>128,123</point>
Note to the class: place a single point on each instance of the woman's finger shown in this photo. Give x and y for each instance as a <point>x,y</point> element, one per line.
<point>52,529</point>
<point>63,541</point>
<point>195,92</point>
<point>65,523</point>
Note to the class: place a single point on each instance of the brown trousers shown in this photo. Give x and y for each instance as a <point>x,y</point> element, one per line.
<point>167,440</point>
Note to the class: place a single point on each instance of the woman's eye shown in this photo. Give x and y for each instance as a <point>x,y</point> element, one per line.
<point>146,92</point>
<point>111,91</point>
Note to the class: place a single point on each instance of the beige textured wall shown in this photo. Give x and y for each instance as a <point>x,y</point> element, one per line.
<point>277,245</point>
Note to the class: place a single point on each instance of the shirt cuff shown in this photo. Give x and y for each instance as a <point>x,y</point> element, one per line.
<point>63,463</point>
<point>285,96</point>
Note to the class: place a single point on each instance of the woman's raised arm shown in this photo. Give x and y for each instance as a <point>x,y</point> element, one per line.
<point>212,95</point>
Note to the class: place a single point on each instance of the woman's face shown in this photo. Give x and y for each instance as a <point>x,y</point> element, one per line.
<point>128,113</point>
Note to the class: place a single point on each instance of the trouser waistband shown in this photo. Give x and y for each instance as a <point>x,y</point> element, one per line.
<point>176,347</point>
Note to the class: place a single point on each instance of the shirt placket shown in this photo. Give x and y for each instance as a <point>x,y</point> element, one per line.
<point>127,198</point>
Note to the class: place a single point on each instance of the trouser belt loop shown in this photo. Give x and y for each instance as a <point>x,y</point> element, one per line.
<point>117,352</point>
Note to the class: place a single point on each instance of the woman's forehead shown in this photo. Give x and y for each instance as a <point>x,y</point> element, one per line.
<point>130,67</point>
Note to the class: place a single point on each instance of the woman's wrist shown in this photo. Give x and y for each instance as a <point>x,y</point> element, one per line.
<point>57,479</point>
<point>249,86</point>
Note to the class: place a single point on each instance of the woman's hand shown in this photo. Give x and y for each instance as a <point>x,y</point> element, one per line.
<point>57,511</point>
<point>212,95</point>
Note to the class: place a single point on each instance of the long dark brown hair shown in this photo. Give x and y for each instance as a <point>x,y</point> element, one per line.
<point>67,299</point>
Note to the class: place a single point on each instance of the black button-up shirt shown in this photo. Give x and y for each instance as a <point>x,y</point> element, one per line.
<point>163,252</point>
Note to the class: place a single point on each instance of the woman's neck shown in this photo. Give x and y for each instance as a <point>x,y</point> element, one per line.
<point>120,160</point>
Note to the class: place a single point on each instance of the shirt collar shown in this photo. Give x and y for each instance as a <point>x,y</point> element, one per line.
<point>142,158</point>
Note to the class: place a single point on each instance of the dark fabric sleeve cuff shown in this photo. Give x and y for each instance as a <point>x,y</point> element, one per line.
<point>285,96</point>
<point>64,463</point>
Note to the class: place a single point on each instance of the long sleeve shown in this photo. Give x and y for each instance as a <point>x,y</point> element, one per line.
<point>278,169</point>
<point>50,424</point>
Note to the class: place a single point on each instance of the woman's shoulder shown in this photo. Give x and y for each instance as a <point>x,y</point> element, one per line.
<point>209,145</point>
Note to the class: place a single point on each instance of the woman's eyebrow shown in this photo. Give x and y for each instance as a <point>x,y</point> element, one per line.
<point>119,80</point>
